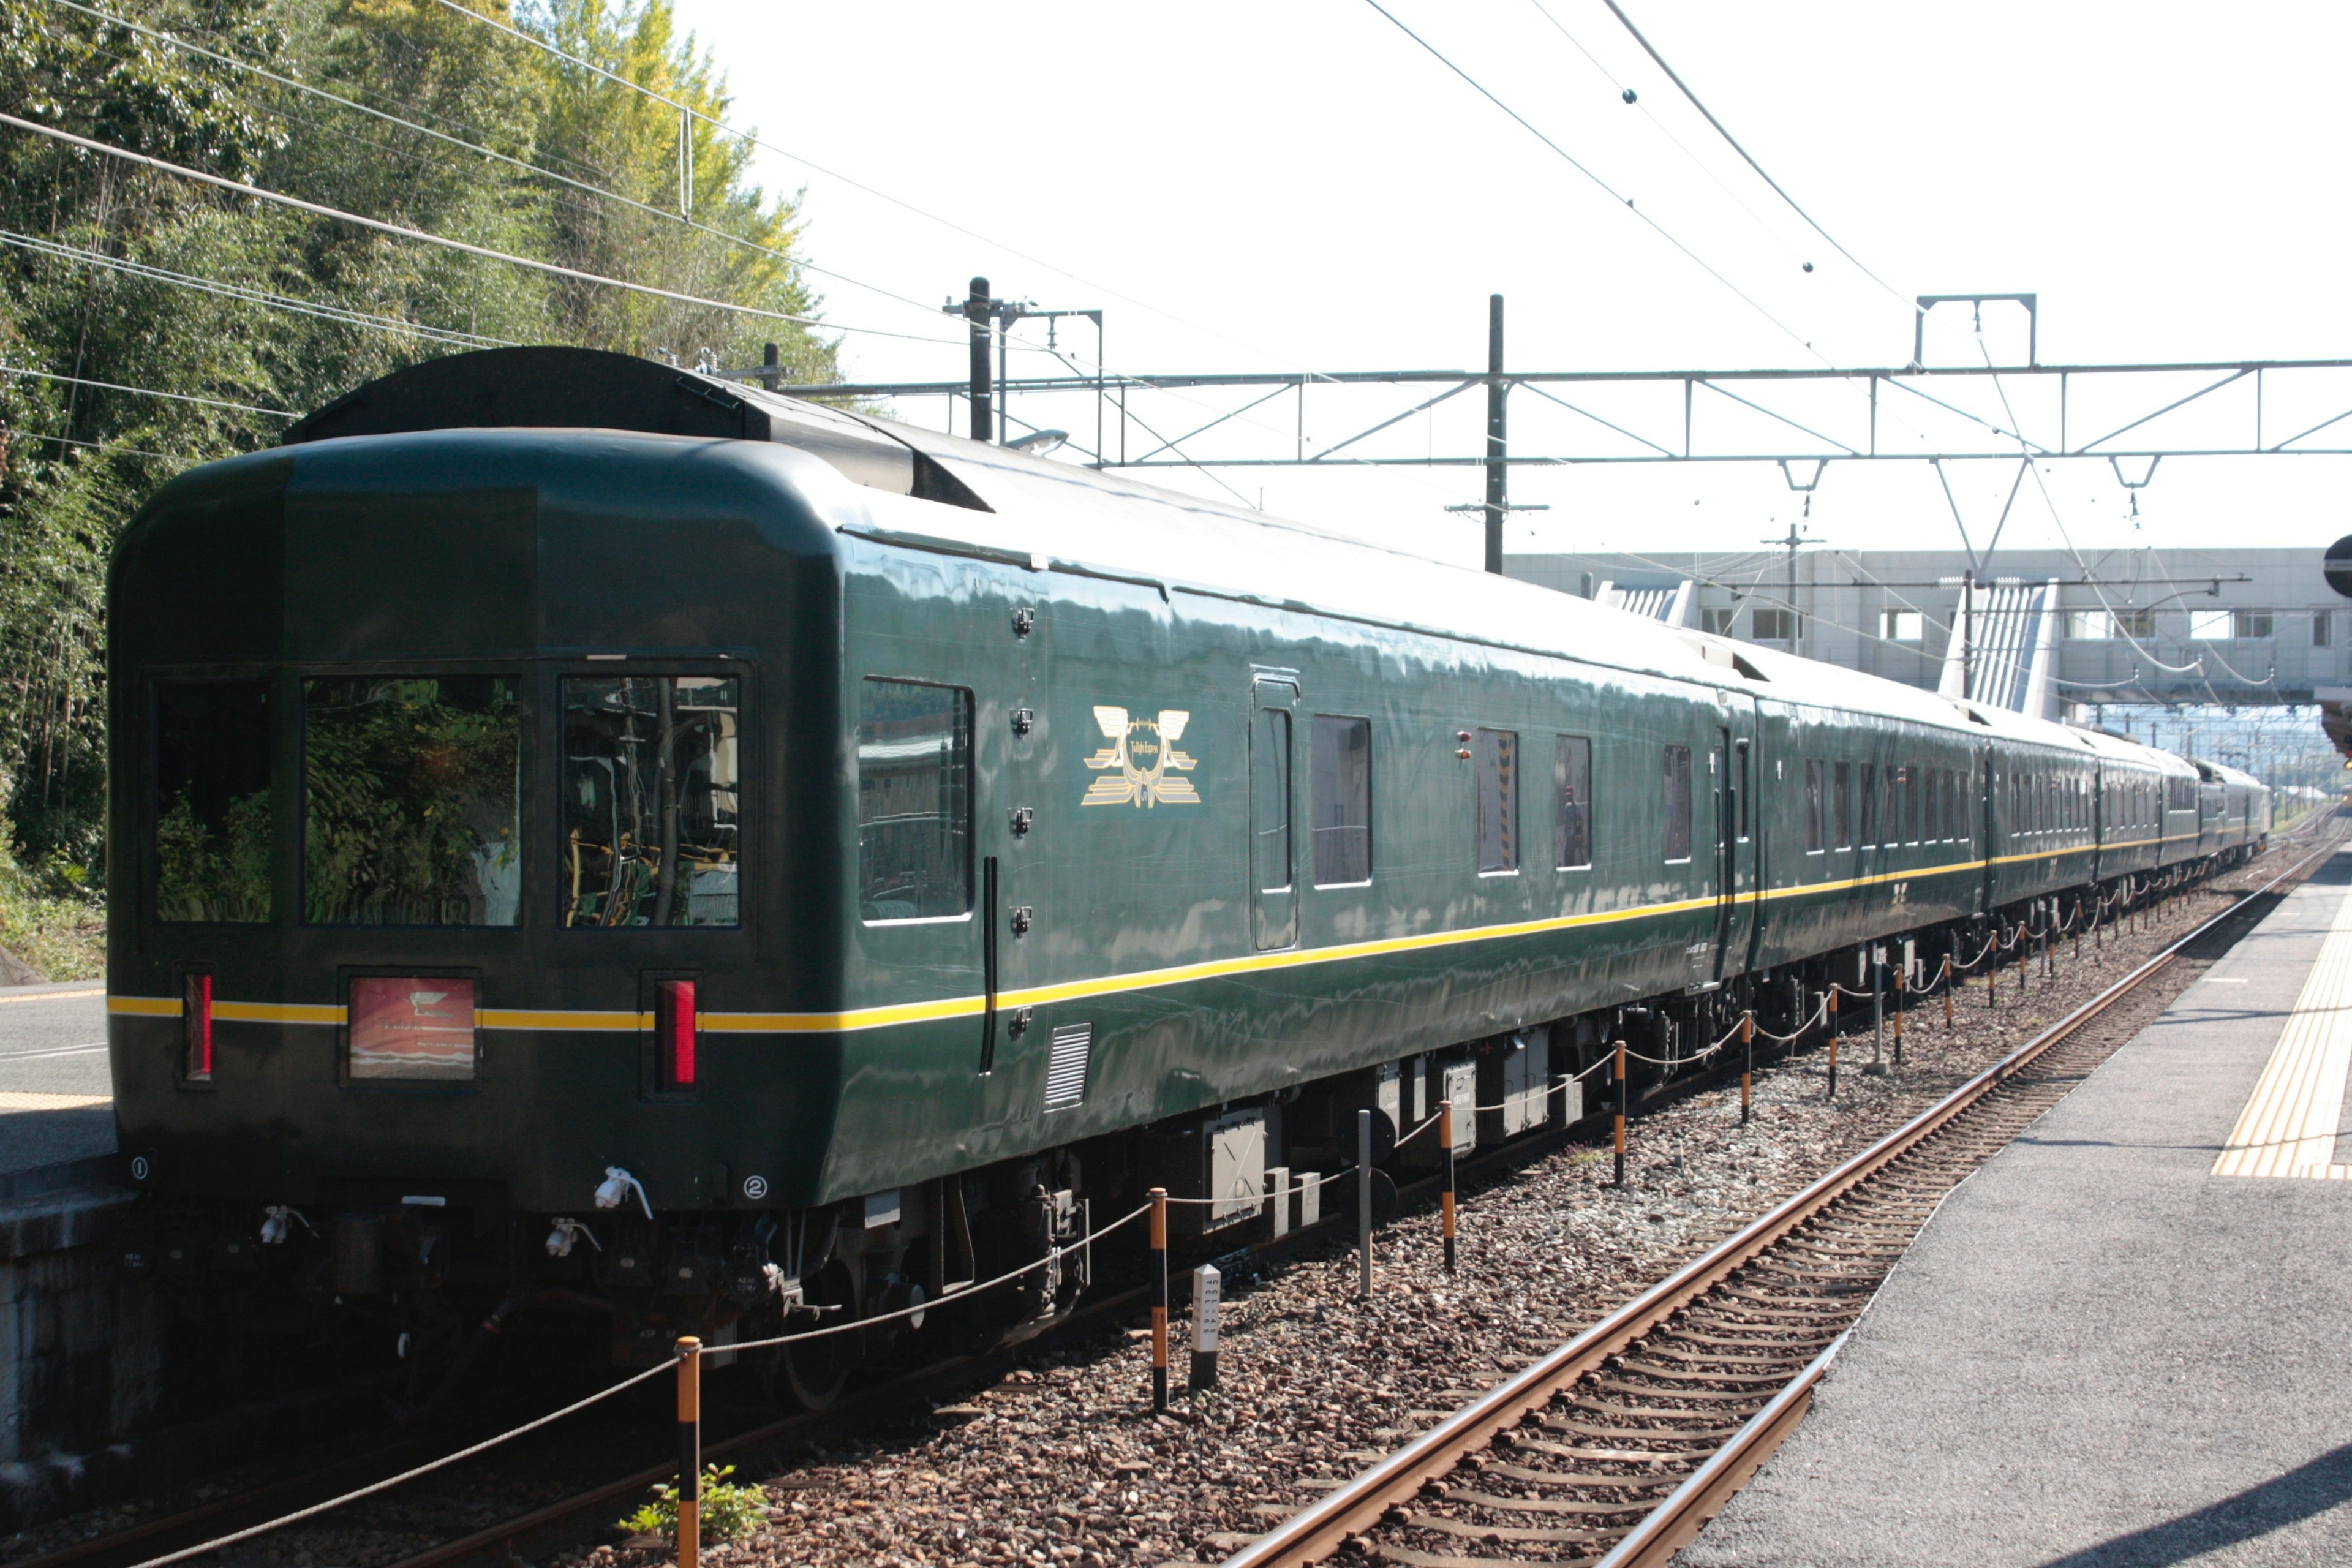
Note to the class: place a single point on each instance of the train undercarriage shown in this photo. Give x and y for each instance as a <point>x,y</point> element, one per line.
<point>425,1290</point>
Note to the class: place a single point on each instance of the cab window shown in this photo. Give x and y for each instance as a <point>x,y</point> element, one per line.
<point>652,801</point>
<point>212,799</point>
<point>411,803</point>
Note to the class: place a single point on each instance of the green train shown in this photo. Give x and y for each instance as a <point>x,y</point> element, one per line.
<point>594,837</point>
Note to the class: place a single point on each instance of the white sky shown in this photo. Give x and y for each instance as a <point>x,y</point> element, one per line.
<point>1294,183</point>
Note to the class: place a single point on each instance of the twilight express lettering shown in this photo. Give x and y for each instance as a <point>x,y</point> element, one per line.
<point>1141,766</point>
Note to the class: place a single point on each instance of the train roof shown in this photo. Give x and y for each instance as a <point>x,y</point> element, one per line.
<point>1000,504</point>
<point>2221,772</point>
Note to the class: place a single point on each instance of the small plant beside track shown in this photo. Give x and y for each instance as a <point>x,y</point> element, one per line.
<point>728,1509</point>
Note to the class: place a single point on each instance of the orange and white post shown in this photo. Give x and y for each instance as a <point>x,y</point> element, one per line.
<point>690,1451</point>
<point>1445,1198</point>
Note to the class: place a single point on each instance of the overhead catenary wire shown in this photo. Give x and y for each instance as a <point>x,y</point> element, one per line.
<point>1581,168</point>
<point>754,139</point>
<point>8,435</point>
<point>1723,131</point>
<point>148,392</point>
<point>319,209</point>
<point>252,296</point>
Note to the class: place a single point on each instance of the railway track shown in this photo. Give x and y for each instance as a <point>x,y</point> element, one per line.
<point>1617,1448</point>
<point>572,1511</point>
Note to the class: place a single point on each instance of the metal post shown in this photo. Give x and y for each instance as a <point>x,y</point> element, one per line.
<point>1621,1114</point>
<point>1901,985</point>
<point>1498,471</point>
<point>771,370</point>
<point>1158,1298</point>
<point>1207,1284</point>
<point>1445,1194</point>
<point>1968,633</point>
<point>1948,992</point>
<point>1746,1058</point>
<point>1877,1010</point>
<point>1364,1203</point>
<point>690,1451</point>
<point>976,310</point>
<point>1833,1037</point>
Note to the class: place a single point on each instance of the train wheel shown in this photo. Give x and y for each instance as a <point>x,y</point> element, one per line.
<point>812,1374</point>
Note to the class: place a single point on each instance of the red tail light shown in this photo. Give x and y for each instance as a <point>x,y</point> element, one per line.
<point>197,1027</point>
<point>674,1026</point>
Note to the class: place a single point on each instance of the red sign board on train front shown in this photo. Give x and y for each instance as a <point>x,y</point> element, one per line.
<point>412,1027</point>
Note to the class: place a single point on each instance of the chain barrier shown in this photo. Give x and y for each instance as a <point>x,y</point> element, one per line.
<point>373,1488</point>
<point>1699,1056</point>
<point>1053,1256</point>
<point>2125,895</point>
<point>1821,1012</point>
<point>1319,1178</point>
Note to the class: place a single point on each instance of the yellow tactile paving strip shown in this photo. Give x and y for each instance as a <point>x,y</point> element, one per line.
<point>23,1100</point>
<point>2288,1128</point>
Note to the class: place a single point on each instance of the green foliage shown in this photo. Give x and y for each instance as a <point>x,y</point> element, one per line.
<point>203,874</point>
<point>727,1510</point>
<point>288,311</point>
<point>410,805</point>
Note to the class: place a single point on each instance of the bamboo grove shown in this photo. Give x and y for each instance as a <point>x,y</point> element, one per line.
<point>119,282</point>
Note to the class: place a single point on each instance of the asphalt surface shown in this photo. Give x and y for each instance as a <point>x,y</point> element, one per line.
<point>56,1094</point>
<point>2097,1353</point>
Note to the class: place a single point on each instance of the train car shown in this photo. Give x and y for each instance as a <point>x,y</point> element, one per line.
<point>590,837</point>
<point>2181,840</point>
<point>1870,805</point>
<point>2130,803</point>
<point>2041,784</point>
<point>2235,812</point>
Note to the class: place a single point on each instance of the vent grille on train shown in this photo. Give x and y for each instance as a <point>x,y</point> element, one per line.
<point>1065,1066</point>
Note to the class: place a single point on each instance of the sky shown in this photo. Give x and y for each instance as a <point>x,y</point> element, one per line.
<point>1296,184</point>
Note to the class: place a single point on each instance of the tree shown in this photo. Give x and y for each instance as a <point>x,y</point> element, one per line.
<point>116,276</point>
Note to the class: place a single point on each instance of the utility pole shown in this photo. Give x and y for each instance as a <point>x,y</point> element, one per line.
<point>1498,501</point>
<point>1498,504</point>
<point>1969,635</point>
<point>1794,538</point>
<point>977,310</point>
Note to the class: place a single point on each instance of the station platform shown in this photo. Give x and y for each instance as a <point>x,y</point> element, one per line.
<point>57,1094</point>
<point>2126,1341</point>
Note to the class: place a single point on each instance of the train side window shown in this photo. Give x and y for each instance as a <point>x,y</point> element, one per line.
<point>1341,801</point>
<point>1270,801</point>
<point>1677,794</point>
<point>213,850</point>
<point>1869,805</point>
<point>914,800</point>
<point>1912,778</point>
<point>1813,806</point>
<point>411,803</point>
<point>1572,775</point>
<point>1497,768</point>
<point>1842,798</point>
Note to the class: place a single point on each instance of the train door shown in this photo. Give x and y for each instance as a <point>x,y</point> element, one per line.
<point>1272,816</point>
<point>1739,866</point>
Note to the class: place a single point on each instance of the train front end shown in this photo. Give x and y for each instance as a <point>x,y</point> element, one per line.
<point>447,862</point>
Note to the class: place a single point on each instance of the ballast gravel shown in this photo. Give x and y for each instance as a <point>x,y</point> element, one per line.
<point>1064,1461</point>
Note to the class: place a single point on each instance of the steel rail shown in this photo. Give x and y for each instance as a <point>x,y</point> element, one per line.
<point>1669,1527</point>
<point>877,1401</point>
<point>1323,1528</point>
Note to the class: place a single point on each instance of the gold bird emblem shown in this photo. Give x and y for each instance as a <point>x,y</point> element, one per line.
<point>1141,766</point>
